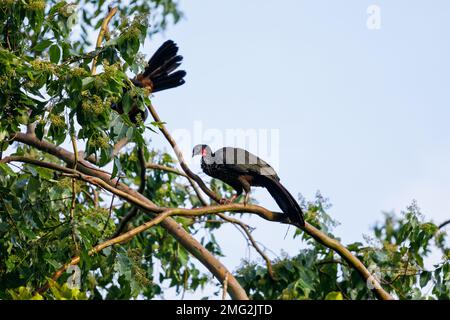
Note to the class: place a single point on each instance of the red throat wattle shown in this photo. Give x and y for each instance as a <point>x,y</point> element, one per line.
<point>203,152</point>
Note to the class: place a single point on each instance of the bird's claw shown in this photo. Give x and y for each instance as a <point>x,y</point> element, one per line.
<point>227,201</point>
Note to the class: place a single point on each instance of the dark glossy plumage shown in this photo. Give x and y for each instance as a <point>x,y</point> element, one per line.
<point>241,170</point>
<point>158,75</point>
<point>160,68</point>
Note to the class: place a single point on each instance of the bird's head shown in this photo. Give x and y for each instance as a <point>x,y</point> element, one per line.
<point>201,149</point>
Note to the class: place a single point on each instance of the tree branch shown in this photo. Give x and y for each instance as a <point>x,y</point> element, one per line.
<point>74,196</point>
<point>311,230</point>
<point>262,212</point>
<point>134,210</point>
<point>104,180</point>
<point>156,166</point>
<point>101,34</point>
<point>180,173</point>
<point>245,228</point>
<point>125,237</point>
<point>443,224</point>
<point>235,221</point>
<point>225,286</point>
<point>179,155</point>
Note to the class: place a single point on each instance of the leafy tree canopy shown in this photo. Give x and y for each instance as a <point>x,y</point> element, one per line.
<point>48,87</point>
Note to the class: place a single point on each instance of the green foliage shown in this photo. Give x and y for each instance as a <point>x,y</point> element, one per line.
<point>40,55</point>
<point>57,292</point>
<point>35,233</point>
<point>395,255</point>
<point>46,79</point>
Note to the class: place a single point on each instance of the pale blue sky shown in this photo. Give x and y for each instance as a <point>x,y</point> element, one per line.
<point>363,114</point>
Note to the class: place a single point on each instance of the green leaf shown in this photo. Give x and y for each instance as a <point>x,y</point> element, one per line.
<point>126,102</point>
<point>6,169</point>
<point>41,46</point>
<point>40,130</point>
<point>57,6</point>
<point>183,256</point>
<point>334,295</point>
<point>86,81</point>
<point>425,277</point>
<point>33,185</point>
<point>117,168</point>
<point>354,246</point>
<point>45,173</point>
<point>55,53</point>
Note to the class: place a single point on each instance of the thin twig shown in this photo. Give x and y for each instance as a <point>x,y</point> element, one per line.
<point>245,228</point>
<point>225,287</point>
<point>110,211</point>
<point>179,155</point>
<point>72,216</point>
<point>193,184</point>
<point>134,210</point>
<point>102,179</point>
<point>101,34</point>
<point>1,149</point>
<point>443,224</point>
<point>156,166</point>
<point>262,212</point>
<point>31,128</point>
<point>96,197</point>
<point>74,195</point>
<point>127,236</point>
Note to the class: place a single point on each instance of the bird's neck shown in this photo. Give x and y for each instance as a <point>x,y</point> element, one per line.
<point>208,158</point>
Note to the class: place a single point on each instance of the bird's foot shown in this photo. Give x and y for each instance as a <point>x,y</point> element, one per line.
<point>224,201</point>
<point>227,201</point>
<point>246,199</point>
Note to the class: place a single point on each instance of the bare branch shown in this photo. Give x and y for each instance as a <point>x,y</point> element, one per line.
<point>156,166</point>
<point>180,173</point>
<point>101,34</point>
<point>225,286</point>
<point>119,146</point>
<point>179,155</point>
<point>74,196</point>
<point>134,210</point>
<point>72,217</point>
<point>103,179</point>
<point>245,228</point>
<point>125,237</point>
<point>262,212</point>
<point>443,224</point>
<point>31,128</point>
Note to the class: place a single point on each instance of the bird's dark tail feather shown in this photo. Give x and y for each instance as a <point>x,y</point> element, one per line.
<point>161,66</point>
<point>285,201</point>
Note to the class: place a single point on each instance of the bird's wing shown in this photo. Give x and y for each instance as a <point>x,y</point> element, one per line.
<point>243,162</point>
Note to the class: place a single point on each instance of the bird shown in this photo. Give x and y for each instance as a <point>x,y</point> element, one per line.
<point>241,170</point>
<point>158,75</point>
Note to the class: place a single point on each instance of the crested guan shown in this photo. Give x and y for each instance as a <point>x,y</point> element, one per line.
<point>158,75</point>
<point>241,170</point>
